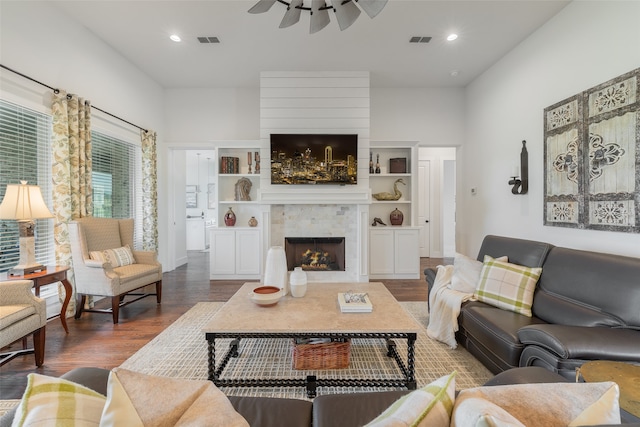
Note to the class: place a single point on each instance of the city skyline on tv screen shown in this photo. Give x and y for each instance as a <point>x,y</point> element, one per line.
<point>314,159</point>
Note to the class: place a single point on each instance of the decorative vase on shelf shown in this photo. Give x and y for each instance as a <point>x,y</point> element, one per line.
<point>298,282</point>
<point>396,217</point>
<point>253,222</point>
<point>275,271</point>
<point>230,218</point>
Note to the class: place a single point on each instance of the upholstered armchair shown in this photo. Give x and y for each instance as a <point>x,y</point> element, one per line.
<point>105,265</point>
<point>21,314</point>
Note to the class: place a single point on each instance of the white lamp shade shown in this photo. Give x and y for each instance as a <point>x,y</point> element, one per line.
<point>22,201</point>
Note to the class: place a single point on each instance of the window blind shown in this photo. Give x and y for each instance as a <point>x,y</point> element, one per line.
<point>117,180</point>
<point>25,155</point>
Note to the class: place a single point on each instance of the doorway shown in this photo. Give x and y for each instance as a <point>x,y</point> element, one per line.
<point>436,204</point>
<point>190,173</point>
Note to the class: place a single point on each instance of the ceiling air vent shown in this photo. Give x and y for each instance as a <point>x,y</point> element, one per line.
<point>419,39</point>
<point>208,40</point>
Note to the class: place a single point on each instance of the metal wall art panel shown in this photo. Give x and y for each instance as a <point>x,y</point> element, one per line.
<point>592,158</point>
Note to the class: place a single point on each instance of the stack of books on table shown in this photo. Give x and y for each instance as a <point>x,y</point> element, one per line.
<point>354,302</point>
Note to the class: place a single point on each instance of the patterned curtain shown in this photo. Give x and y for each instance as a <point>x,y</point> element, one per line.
<point>71,174</point>
<point>149,191</point>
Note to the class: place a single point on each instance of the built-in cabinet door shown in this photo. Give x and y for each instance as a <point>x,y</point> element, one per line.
<point>247,252</point>
<point>222,252</point>
<point>381,251</point>
<point>407,244</point>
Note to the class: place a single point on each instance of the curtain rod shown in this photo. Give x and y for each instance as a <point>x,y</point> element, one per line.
<point>55,90</point>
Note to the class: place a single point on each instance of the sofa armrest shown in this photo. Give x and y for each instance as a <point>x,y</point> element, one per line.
<point>14,292</point>
<point>579,342</point>
<point>430,277</point>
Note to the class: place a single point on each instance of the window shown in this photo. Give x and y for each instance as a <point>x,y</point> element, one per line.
<point>117,180</point>
<point>26,155</point>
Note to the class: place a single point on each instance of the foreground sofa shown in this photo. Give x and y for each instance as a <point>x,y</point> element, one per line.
<point>586,306</point>
<point>339,410</point>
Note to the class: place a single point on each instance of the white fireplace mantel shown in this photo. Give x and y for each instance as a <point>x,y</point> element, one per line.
<point>313,194</point>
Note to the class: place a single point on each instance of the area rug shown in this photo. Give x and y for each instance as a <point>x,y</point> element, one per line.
<point>180,351</point>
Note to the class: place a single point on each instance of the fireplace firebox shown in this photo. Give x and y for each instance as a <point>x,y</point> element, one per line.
<point>315,253</point>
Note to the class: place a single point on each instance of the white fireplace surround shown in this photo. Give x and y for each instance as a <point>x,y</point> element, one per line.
<point>318,102</point>
<point>322,220</point>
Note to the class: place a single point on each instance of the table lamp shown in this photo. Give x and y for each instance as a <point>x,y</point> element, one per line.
<point>24,203</point>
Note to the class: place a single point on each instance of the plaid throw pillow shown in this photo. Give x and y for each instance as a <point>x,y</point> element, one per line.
<point>55,401</point>
<point>429,406</point>
<point>507,286</point>
<point>116,257</point>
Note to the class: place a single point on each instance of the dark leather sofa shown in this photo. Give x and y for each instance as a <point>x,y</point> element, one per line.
<point>338,410</point>
<point>586,307</point>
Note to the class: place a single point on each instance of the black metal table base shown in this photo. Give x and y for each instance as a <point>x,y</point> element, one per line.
<point>311,382</point>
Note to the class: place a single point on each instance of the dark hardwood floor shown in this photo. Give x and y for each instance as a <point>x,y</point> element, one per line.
<point>94,340</point>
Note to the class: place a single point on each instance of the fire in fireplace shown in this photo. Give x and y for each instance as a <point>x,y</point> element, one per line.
<point>315,253</point>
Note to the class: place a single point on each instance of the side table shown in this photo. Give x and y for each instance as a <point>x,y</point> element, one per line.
<point>52,274</point>
<point>626,375</point>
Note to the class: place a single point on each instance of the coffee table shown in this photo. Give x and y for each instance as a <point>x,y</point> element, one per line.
<point>317,314</point>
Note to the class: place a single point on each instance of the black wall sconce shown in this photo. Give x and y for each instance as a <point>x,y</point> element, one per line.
<point>520,185</point>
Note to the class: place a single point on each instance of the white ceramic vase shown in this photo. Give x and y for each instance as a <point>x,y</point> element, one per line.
<point>298,282</point>
<point>275,272</point>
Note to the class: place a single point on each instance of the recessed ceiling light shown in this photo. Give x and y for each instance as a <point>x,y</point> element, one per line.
<point>176,38</point>
<point>451,37</point>
<point>454,73</point>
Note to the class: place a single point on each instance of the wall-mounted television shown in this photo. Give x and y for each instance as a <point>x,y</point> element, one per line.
<point>314,159</point>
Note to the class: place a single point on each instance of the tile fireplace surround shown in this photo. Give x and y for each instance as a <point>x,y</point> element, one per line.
<point>323,220</point>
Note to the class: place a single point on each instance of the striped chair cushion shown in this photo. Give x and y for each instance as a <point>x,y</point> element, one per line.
<point>116,257</point>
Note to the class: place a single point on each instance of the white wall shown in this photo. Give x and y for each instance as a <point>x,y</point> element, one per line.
<point>586,44</point>
<point>433,116</point>
<point>39,40</point>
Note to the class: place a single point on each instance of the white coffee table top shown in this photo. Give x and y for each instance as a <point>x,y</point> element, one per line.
<point>317,311</point>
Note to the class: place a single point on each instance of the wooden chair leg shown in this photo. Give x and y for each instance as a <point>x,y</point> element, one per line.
<point>115,308</point>
<point>159,291</point>
<point>80,301</point>
<point>24,343</point>
<point>38,345</point>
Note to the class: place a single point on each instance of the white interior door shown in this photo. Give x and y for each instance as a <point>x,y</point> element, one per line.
<point>449,208</point>
<point>424,205</point>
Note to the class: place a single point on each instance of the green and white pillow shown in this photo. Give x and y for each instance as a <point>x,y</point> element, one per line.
<point>507,286</point>
<point>466,273</point>
<point>428,406</point>
<point>116,257</point>
<point>55,401</point>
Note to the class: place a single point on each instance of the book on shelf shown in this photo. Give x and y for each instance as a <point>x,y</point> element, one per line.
<point>229,165</point>
<point>351,302</point>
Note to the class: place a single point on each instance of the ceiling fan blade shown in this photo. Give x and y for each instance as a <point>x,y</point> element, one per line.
<point>319,18</point>
<point>372,7</point>
<point>262,6</point>
<point>346,13</point>
<point>292,15</point>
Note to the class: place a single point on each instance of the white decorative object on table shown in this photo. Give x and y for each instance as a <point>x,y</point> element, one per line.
<point>275,273</point>
<point>298,282</point>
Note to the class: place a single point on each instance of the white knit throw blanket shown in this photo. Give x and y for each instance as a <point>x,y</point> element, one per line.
<point>445,305</point>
